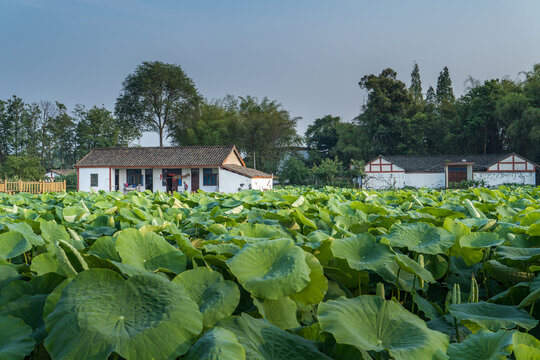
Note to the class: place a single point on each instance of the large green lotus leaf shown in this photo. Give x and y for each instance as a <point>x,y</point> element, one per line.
<point>73,214</point>
<point>526,347</point>
<point>217,344</point>
<point>7,275</point>
<point>217,298</point>
<point>409,265</point>
<point>314,292</point>
<point>27,232</point>
<point>362,252</point>
<point>144,317</point>
<point>26,300</point>
<point>280,312</point>
<point>519,254</point>
<point>13,244</point>
<point>480,240</point>
<point>105,248</point>
<point>264,341</point>
<point>15,339</point>
<point>491,316</point>
<point>371,323</point>
<point>534,229</point>
<point>271,269</point>
<point>484,345</point>
<point>149,251</point>
<point>53,297</point>
<point>421,237</point>
<point>505,274</point>
<point>52,232</point>
<point>259,231</point>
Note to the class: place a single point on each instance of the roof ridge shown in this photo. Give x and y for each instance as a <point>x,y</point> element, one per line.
<point>163,147</point>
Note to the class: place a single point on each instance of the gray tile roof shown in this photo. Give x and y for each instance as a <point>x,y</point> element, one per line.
<point>170,156</point>
<point>435,163</point>
<point>251,173</point>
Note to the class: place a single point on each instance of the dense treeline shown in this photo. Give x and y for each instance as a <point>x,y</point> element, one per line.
<point>491,117</point>
<point>45,135</point>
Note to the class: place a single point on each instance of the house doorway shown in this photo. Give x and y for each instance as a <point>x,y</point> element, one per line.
<point>457,174</point>
<point>148,179</point>
<point>116,179</point>
<point>194,180</point>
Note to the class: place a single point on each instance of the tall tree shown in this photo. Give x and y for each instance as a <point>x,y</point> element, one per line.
<point>62,128</point>
<point>384,114</point>
<point>445,93</point>
<point>321,137</point>
<point>155,98</point>
<point>416,84</point>
<point>96,127</point>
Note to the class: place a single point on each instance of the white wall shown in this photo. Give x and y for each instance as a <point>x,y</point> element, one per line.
<point>261,183</point>
<point>429,180</point>
<point>103,179</point>
<point>383,180</point>
<point>156,178</point>
<point>498,178</point>
<point>230,182</point>
<point>399,180</point>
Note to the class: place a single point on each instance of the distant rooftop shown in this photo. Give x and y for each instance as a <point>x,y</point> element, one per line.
<point>435,163</point>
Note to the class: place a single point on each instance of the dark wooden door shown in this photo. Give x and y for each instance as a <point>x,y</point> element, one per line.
<point>148,179</point>
<point>457,173</point>
<point>194,180</point>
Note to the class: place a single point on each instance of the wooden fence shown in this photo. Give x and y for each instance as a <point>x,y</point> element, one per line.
<point>32,187</point>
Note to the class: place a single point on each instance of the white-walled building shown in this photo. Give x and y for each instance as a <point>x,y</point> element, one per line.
<point>438,171</point>
<point>175,168</point>
<point>52,174</point>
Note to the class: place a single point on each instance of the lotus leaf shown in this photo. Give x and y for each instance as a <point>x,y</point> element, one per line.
<point>484,345</point>
<point>13,244</point>
<point>526,347</point>
<point>492,316</point>
<point>280,312</point>
<point>149,251</point>
<point>421,237</point>
<point>480,240</point>
<point>217,344</point>
<point>362,252</point>
<point>217,298</point>
<point>374,324</point>
<point>143,317</point>
<point>264,341</point>
<point>271,269</point>
<point>15,339</point>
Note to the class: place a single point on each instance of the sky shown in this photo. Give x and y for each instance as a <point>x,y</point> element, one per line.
<point>307,54</point>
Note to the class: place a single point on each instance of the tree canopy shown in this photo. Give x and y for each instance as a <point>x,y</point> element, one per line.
<point>156,97</point>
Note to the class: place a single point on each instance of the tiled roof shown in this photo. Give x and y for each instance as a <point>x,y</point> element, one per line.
<point>157,156</point>
<point>435,163</point>
<point>62,172</point>
<point>241,170</point>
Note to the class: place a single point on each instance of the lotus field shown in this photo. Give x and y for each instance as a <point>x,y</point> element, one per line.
<point>293,273</point>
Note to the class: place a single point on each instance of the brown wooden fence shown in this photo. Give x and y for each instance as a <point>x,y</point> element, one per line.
<point>32,187</point>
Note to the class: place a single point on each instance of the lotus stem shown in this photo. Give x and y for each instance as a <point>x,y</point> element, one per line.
<point>397,283</point>
<point>457,332</point>
<point>25,258</point>
<point>532,308</point>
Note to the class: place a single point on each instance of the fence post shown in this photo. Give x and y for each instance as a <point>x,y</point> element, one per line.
<point>65,189</point>
<point>20,185</point>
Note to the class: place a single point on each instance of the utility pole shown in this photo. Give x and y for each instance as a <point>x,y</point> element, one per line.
<point>254,163</point>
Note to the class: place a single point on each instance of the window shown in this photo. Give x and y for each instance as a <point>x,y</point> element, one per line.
<point>210,177</point>
<point>134,177</point>
<point>93,179</point>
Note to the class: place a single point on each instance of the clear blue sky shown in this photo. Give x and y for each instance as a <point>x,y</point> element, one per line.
<point>307,54</point>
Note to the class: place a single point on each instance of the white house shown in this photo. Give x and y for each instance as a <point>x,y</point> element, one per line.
<point>438,171</point>
<point>175,168</point>
<point>52,174</point>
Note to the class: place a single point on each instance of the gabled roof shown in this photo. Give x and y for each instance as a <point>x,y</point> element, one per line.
<point>435,163</point>
<point>170,156</point>
<point>248,172</point>
<point>62,172</point>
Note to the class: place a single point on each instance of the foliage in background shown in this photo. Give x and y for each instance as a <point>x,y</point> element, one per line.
<point>156,97</point>
<point>24,168</point>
